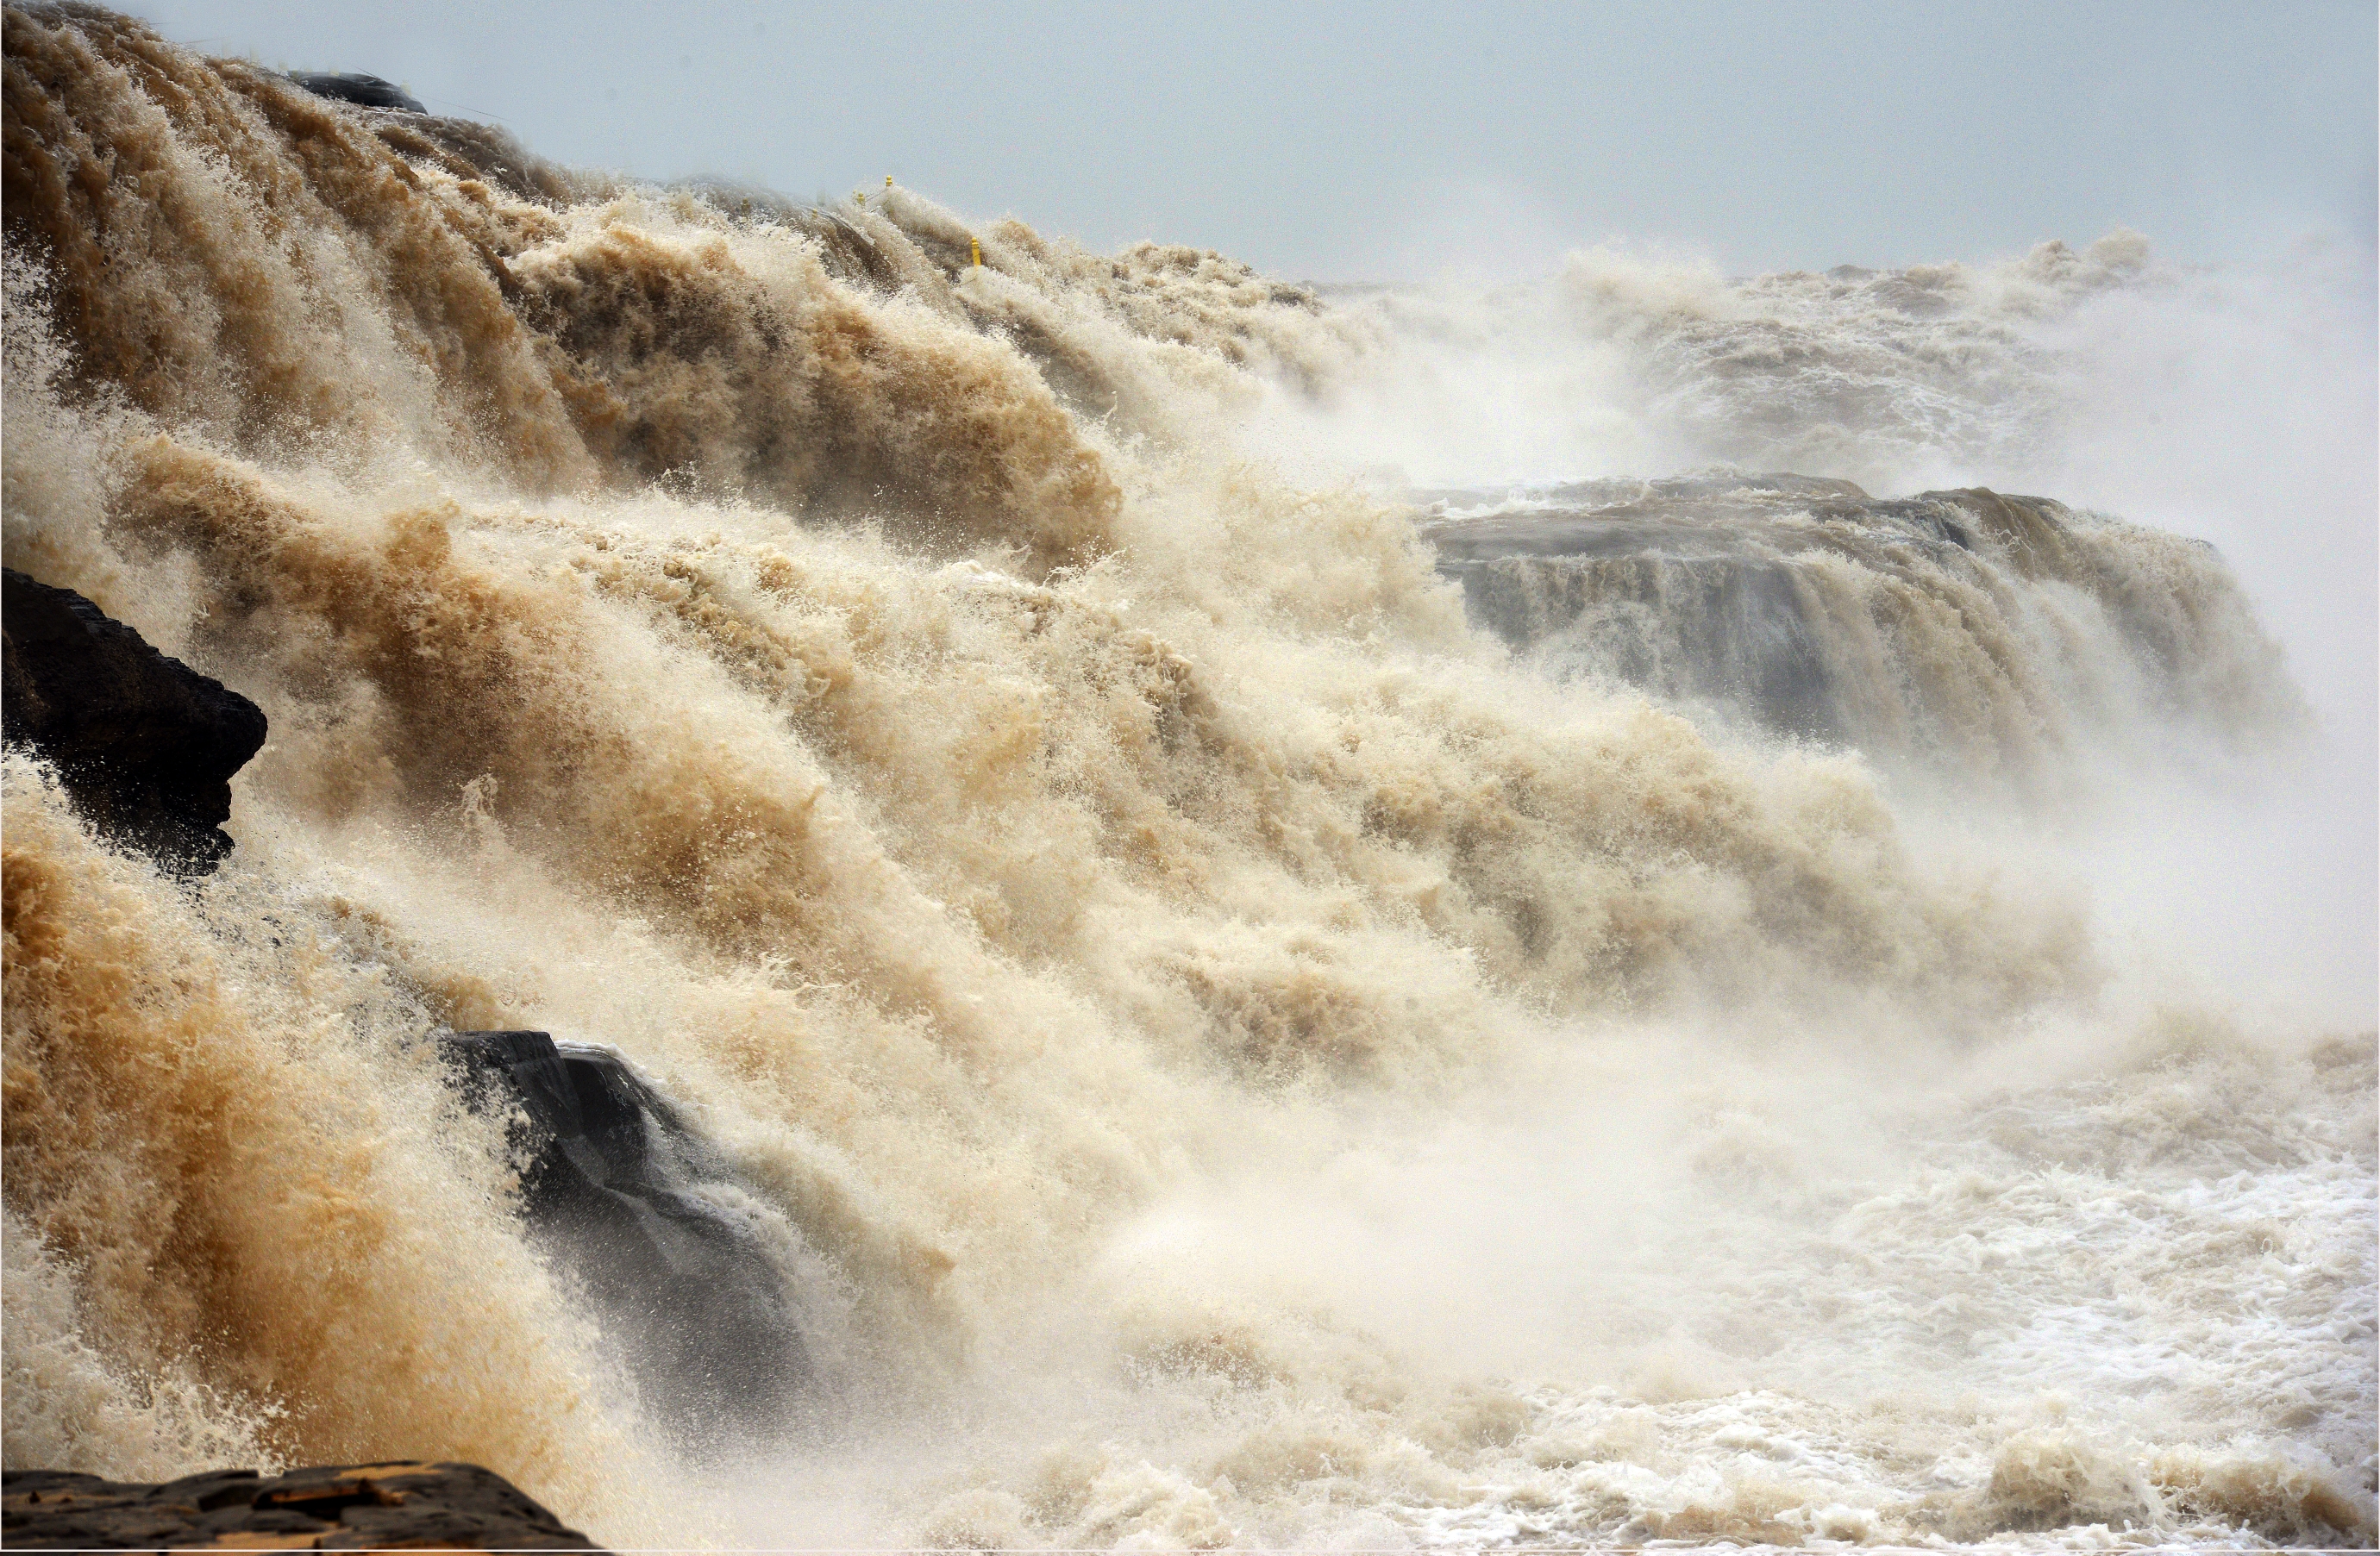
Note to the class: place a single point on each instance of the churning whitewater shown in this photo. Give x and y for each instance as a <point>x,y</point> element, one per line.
<point>1342,918</point>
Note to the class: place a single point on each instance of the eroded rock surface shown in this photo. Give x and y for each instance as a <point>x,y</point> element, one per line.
<point>353,1507</point>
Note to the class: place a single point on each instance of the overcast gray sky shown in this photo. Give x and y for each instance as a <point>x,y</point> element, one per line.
<point>1391,140</point>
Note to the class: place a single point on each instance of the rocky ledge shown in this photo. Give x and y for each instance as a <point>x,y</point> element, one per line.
<point>145,744</point>
<point>351,1507</point>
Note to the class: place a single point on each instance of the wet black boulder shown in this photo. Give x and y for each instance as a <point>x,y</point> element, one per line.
<point>144,745</point>
<point>612,1183</point>
<point>364,92</point>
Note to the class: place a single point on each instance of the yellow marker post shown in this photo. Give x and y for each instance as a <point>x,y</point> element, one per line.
<point>977,249</point>
<point>887,180</point>
<point>861,195</point>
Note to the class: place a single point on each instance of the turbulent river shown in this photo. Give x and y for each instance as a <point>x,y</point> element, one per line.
<point>1339,917</point>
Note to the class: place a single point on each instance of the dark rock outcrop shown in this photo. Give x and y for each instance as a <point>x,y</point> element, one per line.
<point>609,1183</point>
<point>364,92</point>
<point>353,1507</point>
<point>145,744</point>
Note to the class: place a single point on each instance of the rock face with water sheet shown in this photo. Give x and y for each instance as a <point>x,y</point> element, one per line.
<point>400,1505</point>
<point>614,1181</point>
<point>1971,632</point>
<point>145,744</point>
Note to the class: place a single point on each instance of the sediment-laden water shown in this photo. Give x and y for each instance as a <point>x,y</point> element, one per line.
<point>1330,918</point>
